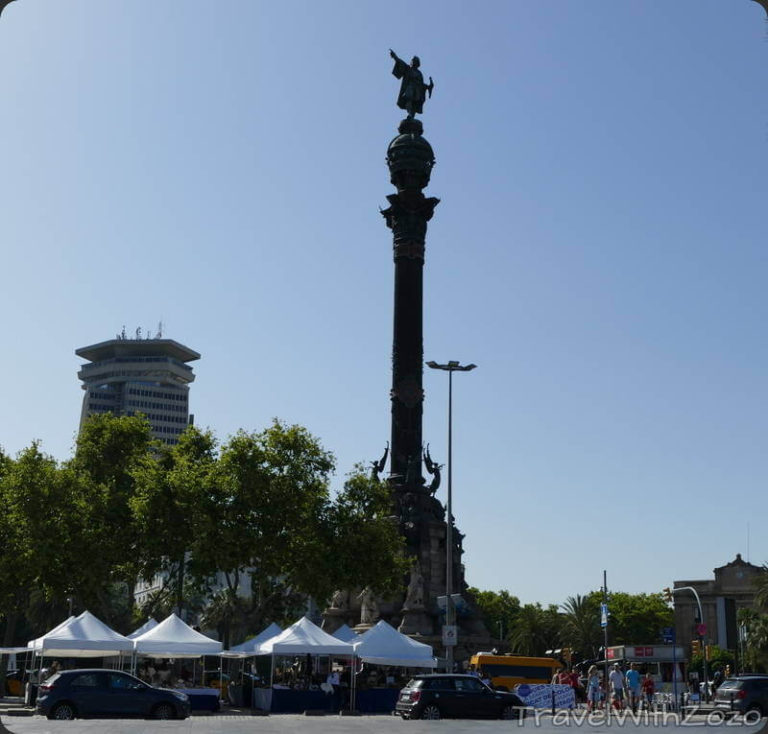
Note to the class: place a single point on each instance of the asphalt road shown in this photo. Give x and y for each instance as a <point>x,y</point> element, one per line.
<point>288,724</point>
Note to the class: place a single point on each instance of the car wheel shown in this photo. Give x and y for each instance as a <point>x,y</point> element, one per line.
<point>431,712</point>
<point>163,711</point>
<point>510,712</point>
<point>63,712</point>
<point>756,708</point>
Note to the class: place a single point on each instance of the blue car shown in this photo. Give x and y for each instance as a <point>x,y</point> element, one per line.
<point>102,693</point>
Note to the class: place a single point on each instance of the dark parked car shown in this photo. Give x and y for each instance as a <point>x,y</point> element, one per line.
<point>742,693</point>
<point>107,693</point>
<point>455,696</point>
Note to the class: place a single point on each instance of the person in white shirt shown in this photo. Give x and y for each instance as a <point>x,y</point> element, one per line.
<point>616,682</point>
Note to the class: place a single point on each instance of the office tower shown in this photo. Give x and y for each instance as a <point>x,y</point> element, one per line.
<point>125,376</point>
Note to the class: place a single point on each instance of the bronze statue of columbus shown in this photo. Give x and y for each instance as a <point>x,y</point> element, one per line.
<point>413,91</point>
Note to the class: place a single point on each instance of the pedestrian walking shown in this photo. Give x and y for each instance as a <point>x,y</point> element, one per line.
<point>633,686</point>
<point>616,683</point>
<point>649,689</point>
<point>593,688</point>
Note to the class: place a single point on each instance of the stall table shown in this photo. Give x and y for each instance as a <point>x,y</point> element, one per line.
<point>202,699</point>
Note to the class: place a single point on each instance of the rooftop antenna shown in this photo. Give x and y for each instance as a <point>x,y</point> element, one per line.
<point>122,333</point>
<point>747,542</point>
<point>138,332</point>
<point>159,334</point>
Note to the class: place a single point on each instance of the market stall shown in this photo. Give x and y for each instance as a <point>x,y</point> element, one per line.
<point>84,636</point>
<point>384,646</point>
<point>241,693</point>
<point>301,661</point>
<point>173,638</point>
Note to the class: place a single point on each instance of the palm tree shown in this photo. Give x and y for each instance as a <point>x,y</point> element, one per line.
<point>756,643</point>
<point>535,630</point>
<point>761,584</point>
<point>581,627</point>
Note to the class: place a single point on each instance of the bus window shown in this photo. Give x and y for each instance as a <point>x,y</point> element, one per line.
<point>511,670</point>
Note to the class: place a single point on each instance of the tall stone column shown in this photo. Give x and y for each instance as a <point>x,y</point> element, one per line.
<point>410,160</point>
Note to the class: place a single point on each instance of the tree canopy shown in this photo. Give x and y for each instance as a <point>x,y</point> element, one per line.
<point>532,629</point>
<point>240,531</point>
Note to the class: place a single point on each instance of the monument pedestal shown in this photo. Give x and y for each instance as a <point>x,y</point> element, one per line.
<point>416,622</point>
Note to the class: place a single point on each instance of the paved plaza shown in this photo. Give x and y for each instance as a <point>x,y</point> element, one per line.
<point>288,724</point>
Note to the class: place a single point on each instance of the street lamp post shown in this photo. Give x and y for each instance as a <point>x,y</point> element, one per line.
<point>450,617</point>
<point>701,634</point>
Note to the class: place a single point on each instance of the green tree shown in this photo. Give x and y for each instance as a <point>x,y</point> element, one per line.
<point>718,658</point>
<point>108,454</point>
<point>499,609</point>
<point>171,490</point>
<point>359,544</point>
<point>761,586</point>
<point>756,643</point>
<point>261,509</point>
<point>634,618</point>
<point>9,581</point>
<point>38,503</point>
<point>536,630</point>
<point>581,626</point>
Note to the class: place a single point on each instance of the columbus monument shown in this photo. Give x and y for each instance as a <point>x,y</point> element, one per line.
<point>421,611</point>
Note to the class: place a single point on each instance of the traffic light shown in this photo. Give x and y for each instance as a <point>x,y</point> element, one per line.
<point>567,654</point>
<point>695,647</point>
<point>708,650</point>
<point>668,595</point>
<point>727,671</point>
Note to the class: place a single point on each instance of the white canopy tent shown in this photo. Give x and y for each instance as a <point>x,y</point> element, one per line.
<point>346,634</point>
<point>82,636</point>
<point>151,623</point>
<point>384,645</point>
<point>174,638</point>
<point>33,643</point>
<point>247,648</point>
<point>303,637</point>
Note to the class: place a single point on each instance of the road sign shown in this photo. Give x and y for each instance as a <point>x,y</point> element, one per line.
<point>701,629</point>
<point>449,635</point>
<point>668,635</point>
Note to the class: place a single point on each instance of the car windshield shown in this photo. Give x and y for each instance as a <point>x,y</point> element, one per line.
<point>730,683</point>
<point>414,683</point>
<point>50,681</point>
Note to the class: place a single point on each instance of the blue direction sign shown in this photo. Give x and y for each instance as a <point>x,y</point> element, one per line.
<point>668,635</point>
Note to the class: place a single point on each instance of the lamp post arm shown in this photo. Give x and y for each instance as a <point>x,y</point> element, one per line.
<point>703,637</point>
<point>696,594</point>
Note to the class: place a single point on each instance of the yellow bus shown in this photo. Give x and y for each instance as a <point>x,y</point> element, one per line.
<point>510,670</point>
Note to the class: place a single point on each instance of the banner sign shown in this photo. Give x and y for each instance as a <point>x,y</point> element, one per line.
<point>540,695</point>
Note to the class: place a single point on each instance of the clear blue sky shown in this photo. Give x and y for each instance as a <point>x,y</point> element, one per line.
<point>599,252</point>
